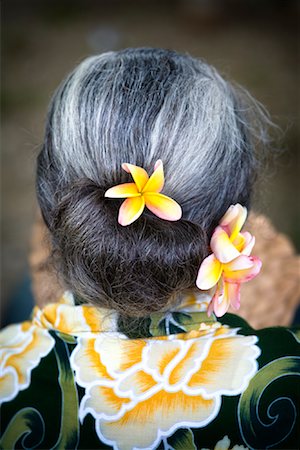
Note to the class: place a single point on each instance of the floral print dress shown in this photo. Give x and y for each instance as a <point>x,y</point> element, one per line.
<point>80,377</point>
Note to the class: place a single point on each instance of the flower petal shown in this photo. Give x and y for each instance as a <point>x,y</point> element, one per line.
<point>230,295</point>
<point>162,414</point>
<point>156,181</point>
<point>234,219</point>
<point>211,306</point>
<point>209,273</point>
<point>139,174</point>
<point>248,244</point>
<point>222,247</point>
<point>162,206</point>
<point>240,263</point>
<point>239,242</point>
<point>220,302</point>
<point>130,210</point>
<point>228,365</point>
<point>242,269</point>
<point>233,292</point>
<point>122,191</point>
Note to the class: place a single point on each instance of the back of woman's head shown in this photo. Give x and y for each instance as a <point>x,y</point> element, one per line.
<point>138,106</point>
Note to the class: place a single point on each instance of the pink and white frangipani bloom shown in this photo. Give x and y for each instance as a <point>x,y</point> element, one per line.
<point>230,264</point>
<point>144,192</point>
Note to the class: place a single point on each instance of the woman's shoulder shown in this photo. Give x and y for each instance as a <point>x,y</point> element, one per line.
<point>76,376</point>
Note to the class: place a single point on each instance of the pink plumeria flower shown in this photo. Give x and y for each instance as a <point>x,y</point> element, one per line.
<point>230,264</point>
<point>145,191</point>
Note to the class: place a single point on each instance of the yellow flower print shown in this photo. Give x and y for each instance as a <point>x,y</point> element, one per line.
<point>67,318</point>
<point>21,348</point>
<point>141,391</point>
<point>194,302</point>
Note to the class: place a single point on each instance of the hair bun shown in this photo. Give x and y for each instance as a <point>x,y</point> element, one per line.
<point>137,269</point>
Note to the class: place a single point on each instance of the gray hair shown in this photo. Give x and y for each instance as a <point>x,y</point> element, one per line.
<point>138,106</point>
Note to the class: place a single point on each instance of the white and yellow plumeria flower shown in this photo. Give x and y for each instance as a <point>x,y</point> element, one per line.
<point>145,191</point>
<point>230,264</point>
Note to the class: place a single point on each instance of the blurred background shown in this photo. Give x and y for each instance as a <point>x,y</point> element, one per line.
<point>253,42</point>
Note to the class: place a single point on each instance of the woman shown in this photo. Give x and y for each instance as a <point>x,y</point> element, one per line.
<point>135,355</point>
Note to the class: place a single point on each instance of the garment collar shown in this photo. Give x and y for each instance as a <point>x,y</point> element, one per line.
<point>68,318</point>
